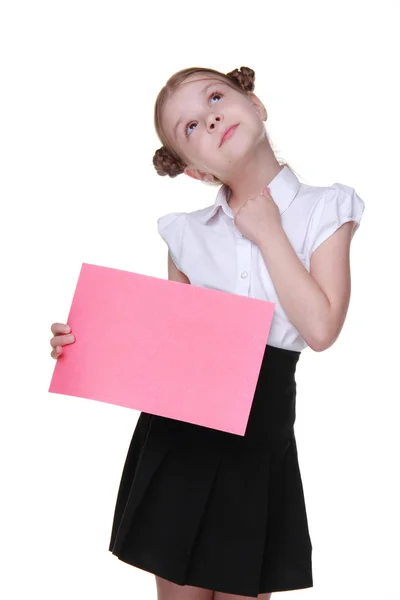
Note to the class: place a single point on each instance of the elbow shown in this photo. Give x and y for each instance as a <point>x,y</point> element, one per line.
<point>318,347</point>
<point>321,340</point>
<point>325,331</point>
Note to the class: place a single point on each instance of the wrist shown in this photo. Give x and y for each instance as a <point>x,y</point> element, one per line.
<point>270,234</point>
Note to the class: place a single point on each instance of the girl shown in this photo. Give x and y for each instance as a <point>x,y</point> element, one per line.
<point>215,515</point>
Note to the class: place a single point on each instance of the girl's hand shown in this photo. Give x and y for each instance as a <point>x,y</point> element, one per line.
<point>257,217</point>
<point>62,337</point>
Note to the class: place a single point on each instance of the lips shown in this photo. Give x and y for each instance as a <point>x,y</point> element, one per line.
<point>228,133</point>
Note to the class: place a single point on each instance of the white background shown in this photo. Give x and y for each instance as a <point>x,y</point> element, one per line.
<point>79,81</point>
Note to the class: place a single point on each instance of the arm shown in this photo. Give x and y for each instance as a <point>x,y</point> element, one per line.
<point>316,302</point>
<point>173,272</point>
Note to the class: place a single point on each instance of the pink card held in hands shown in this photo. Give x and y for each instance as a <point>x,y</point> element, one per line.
<point>165,348</point>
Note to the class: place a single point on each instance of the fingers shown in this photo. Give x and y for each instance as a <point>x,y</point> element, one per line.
<point>57,328</point>
<point>56,352</point>
<point>58,342</point>
<point>61,338</point>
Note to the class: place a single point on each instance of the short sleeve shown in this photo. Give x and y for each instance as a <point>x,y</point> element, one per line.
<point>339,204</point>
<point>171,227</point>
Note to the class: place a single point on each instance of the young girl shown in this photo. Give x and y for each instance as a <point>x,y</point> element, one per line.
<point>215,515</point>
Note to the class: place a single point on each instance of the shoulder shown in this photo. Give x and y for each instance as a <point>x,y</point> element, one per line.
<point>328,209</point>
<point>176,221</point>
<point>338,195</point>
<point>173,229</point>
<point>173,219</point>
<point>313,196</point>
<point>338,203</point>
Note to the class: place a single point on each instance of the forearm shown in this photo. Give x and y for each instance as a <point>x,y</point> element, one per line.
<point>304,302</point>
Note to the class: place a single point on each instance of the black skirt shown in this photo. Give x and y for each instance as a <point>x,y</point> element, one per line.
<point>216,510</point>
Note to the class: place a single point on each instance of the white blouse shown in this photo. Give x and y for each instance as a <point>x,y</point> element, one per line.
<point>208,248</point>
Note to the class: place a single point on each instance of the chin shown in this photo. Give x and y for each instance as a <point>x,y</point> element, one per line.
<point>234,156</point>
<point>241,153</point>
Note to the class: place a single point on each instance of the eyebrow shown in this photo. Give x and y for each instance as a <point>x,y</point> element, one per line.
<point>203,91</point>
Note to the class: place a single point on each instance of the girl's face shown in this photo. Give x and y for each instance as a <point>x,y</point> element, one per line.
<point>196,118</point>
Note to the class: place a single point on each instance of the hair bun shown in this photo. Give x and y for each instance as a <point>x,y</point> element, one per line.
<point>245,77</point>
<point>166,164</point>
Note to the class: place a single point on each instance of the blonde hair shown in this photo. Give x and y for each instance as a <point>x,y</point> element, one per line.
<point>166,159</point>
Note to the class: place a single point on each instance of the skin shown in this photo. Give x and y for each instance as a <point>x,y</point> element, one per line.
<point>245,162</point>
<point>167,590</point>
<point>316,302</point>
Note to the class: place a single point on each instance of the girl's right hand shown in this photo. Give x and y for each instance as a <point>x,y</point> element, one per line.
<point>62,337</point>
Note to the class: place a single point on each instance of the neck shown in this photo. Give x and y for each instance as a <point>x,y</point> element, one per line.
<point>253,176</point>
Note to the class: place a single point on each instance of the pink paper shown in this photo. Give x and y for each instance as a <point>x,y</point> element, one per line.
<point>163,347</point>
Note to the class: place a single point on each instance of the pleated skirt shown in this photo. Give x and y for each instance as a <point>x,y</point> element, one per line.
<point>215,510</point>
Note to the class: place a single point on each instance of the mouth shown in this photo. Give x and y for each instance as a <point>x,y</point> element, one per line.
<point>228,133</point>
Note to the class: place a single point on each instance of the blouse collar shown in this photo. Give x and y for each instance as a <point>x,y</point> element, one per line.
<point>284,188</point>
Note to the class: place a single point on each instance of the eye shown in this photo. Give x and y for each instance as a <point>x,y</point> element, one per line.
<point>189,125</point>
<point>216,94</point>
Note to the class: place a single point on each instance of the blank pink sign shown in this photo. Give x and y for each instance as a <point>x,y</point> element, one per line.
<point>163,347</point>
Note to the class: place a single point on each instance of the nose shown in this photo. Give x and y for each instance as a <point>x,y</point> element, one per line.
<point>212,120</point>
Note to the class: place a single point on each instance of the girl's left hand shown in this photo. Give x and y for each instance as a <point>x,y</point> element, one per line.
<point>257,217</point>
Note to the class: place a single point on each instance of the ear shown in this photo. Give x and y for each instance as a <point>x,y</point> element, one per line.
<point>258,105</point>
<point>193,173</point>
<point>197,174</point>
